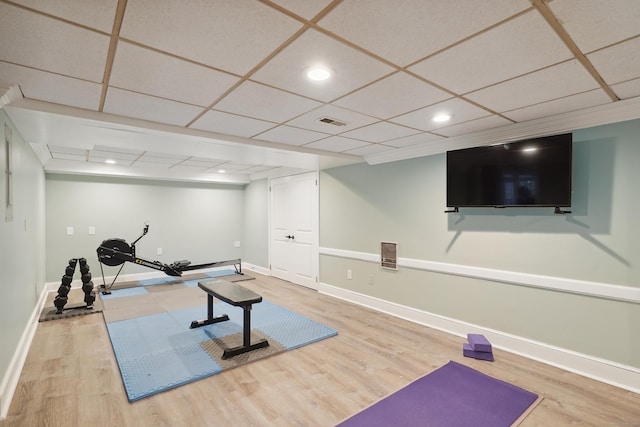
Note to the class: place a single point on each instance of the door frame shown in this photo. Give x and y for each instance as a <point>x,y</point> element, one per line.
<point>316,225</point>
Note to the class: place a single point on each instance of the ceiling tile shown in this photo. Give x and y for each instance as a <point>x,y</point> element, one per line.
<point>231,35</point>
<point>380,132</point>
<point>256,169</point>
<point>231,124</point>
<point>618,63</point>
<point>56,149</point>
<point>459,109</point>
<point>306,9</point>
<point>337,144</point>
<point>161,157</point>
<point>118,150</point>
<point>151,164</point>
<point>628,89</point>
<point>421,138</point>
<point>370,149</point>
<point>64,156</point>
<point>237,166</point>
<point>54,46</point>
<point>188,168</point>
<point>51,87</point>
<point>98,155</point>
<point>201,162</point>
<point>351,68</point>
<point>157,160</point>
<point>311,119</point>
<point>265,103</point>
<point>558,106</point>
<point>476,125</point>
<point>594,24</point>
<point>149,72</point>
<point>125,103</point>
<point>290,135</point>
<point>550,83</point>
<point>411,29</point>
<point>514,48</point>
<point>393,95</point>
<point>98,14</point>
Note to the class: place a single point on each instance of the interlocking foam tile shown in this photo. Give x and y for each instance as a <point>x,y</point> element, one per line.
<point>164,370</point>
<point>191,283</point>
<point>159,281</point>
<point>218,273</point>
<point>127,292</point>
<point>290,329</point>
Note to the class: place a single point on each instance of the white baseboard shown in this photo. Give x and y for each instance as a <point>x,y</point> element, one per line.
<point>251,267</point>
<point>12,375</point>
<point>616,374</point>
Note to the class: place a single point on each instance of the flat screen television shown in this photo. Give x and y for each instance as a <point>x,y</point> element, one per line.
<point>533,172</point>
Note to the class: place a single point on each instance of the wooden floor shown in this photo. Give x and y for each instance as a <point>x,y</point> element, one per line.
<point>71,377</point>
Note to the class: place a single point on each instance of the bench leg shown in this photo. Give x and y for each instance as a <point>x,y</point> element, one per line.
<point>246,338</point>
<point>210,320</point>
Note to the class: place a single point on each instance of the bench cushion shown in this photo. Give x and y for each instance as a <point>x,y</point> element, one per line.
<point>230,293</point>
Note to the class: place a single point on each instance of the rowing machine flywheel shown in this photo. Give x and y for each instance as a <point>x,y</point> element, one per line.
<point>107,248</point>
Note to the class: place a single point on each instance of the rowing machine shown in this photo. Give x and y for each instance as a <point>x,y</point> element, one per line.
<point>114,252</point>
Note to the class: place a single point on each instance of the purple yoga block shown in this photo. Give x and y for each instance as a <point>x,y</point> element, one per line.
<point>468,351</point>
<point>479,343</point>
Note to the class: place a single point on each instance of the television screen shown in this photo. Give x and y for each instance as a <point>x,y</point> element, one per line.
<point>533,172</point>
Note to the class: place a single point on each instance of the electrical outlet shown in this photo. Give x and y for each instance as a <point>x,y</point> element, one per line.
<point>371,279</point>
<point>92,230</point>
<point>159,251</point>
<point>349,275</point>
<point>236,244</point>
<point>69,231</point>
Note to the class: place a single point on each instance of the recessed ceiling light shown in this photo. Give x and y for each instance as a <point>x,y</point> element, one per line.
<point>318,73</point>
<point>110,161</point>
<point>442,117</point>
<point>222,171</point>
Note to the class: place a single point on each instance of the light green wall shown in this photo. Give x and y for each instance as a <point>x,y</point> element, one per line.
<point>22,257</point>
<point>404,201</point>
<point>198,222</point>
<point>256,223</point>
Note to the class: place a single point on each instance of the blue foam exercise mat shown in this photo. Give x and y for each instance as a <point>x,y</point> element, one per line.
<point>126,292</point>
<point>160,352</point>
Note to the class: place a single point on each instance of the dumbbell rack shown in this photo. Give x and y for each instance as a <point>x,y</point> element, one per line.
<point>87,286</point>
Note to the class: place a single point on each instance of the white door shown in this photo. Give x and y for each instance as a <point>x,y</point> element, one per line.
<point>294,229</point>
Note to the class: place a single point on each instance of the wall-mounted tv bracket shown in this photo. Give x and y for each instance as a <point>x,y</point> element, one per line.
<point>559,211</point>
<point>114,252</point>
<point>454,210</point>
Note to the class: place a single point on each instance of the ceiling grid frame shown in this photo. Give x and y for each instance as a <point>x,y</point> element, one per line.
<point>43,107</point>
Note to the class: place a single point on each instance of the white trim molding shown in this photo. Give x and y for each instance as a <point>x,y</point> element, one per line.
<point>616,374</point>
<point>559,284</point>
<point>12,375</point>
<point>251,267</point>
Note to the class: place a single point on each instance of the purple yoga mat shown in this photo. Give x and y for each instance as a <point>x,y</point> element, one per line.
<point>451,396</point>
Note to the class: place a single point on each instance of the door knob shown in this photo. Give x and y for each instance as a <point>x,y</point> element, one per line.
<point>289,237</point>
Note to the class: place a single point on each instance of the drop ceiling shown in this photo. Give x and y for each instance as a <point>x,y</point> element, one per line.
<point>216,90</point>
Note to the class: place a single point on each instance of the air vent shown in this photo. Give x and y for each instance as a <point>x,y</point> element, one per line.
<point>330,121</point>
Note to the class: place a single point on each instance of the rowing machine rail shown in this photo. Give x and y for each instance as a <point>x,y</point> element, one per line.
<point>114,252</point>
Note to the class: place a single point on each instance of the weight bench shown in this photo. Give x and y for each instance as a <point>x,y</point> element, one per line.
<point>235,295</point>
